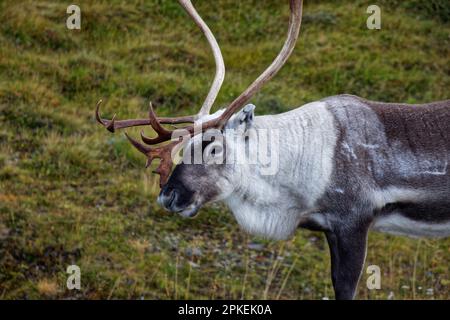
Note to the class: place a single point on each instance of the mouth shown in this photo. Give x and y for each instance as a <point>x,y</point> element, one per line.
<point>189,212</point>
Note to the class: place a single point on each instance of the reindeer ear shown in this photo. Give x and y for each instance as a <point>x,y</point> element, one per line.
<point>242,120</point>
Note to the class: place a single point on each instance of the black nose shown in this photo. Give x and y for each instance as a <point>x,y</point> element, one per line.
<point>167,198</point>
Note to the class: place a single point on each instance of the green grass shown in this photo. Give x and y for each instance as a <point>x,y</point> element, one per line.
<point>71,193</point>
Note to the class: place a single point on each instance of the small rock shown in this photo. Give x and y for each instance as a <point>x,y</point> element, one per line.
<point>4,232</point>
<point>193,252</point>
<point>255,246</point>
<point>193,264</point>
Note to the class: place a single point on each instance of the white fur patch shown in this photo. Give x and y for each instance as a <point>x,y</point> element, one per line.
<point>271,206</point>
<point>400,225</point>
<point>395,194</point>
<point>273,222</point>
<point>397,224</point>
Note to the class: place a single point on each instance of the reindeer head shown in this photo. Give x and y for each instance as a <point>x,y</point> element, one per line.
<point>193,183</point>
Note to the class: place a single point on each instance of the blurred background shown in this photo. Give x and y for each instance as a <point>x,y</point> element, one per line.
<point>72,193</point>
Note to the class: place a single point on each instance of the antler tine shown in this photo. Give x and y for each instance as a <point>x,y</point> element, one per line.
<point>220,65</point>
<point>108,124</point>
<point>295,21</point>
<point>97,115</point>
<point>164,153</point>
<point>144,149</point>
<point>152,141</point>
<point>155,123</point>
<point>113,124</point>
<point>163,133</point>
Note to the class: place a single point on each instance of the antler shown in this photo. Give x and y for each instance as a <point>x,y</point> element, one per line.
<point>295,21</point>
<point>164,152</point>
<point>220,66</point>
<point>114,124</point>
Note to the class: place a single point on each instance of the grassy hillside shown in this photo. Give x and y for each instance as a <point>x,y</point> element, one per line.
<point>71,193</point>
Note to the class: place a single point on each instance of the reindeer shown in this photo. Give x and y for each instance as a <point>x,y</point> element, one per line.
<point>346,165</point>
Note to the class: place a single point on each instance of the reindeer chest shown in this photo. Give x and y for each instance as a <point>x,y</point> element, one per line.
<point>274,220</point>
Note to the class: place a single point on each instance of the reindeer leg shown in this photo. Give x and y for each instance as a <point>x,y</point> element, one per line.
<point>348,252</point>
